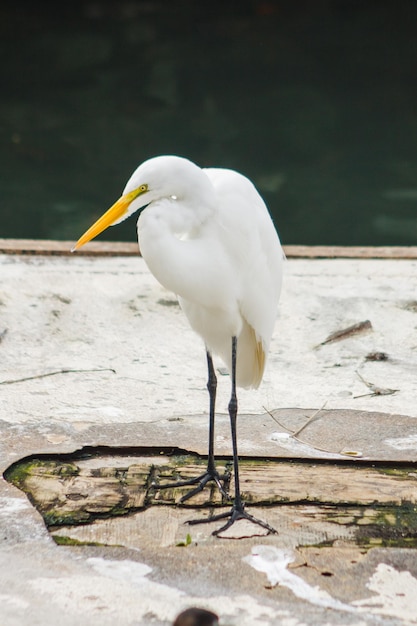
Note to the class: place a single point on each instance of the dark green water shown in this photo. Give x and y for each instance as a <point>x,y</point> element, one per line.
<point>315,101</point>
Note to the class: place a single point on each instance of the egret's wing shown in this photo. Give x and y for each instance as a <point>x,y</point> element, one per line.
<point>253,242</point>
<point>256,253</point>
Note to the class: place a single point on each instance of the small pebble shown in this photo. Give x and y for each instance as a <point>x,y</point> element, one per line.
<point>196,617</point>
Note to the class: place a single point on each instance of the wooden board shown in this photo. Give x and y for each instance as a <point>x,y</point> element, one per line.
<point>121,248</point>
<point>378,500</point>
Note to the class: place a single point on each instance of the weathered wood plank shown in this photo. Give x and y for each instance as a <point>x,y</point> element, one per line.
<point>297,525</point>
<point>75,492</point>
<point>122,248</point>
<point>53,247</point>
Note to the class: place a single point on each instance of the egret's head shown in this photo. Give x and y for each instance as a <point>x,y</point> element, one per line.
<point>156,178</point>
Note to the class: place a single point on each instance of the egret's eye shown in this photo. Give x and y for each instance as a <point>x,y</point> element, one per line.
<point>143,188</point>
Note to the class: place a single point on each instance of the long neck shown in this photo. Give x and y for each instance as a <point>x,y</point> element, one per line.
<point>174,240</point>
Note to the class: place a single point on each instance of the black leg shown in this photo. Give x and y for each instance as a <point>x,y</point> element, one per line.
<point>211,474</point>
<point>238,509</point>
<point>212,388</point>
<point>233,427</point>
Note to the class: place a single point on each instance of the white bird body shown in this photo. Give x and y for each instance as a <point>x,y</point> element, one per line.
<point>206,235</point>
<point>223,260</point>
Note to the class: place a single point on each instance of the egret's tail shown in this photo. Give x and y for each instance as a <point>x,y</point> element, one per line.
<point>251,358</point>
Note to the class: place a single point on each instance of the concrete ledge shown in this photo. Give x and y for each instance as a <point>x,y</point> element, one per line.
<point>93,351</point>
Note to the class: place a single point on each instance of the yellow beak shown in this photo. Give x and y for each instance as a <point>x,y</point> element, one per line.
<point>114,214</point>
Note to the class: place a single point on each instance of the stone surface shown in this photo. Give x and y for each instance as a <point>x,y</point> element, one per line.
<point>108,359</point>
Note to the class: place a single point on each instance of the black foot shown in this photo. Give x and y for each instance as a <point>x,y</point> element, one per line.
<point>201,481</point>
<point>238,512</point>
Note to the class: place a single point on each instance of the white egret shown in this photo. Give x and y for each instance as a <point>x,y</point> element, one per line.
<point>206,235</point>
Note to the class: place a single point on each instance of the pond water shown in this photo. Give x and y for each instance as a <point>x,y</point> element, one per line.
<point>315,101</point>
